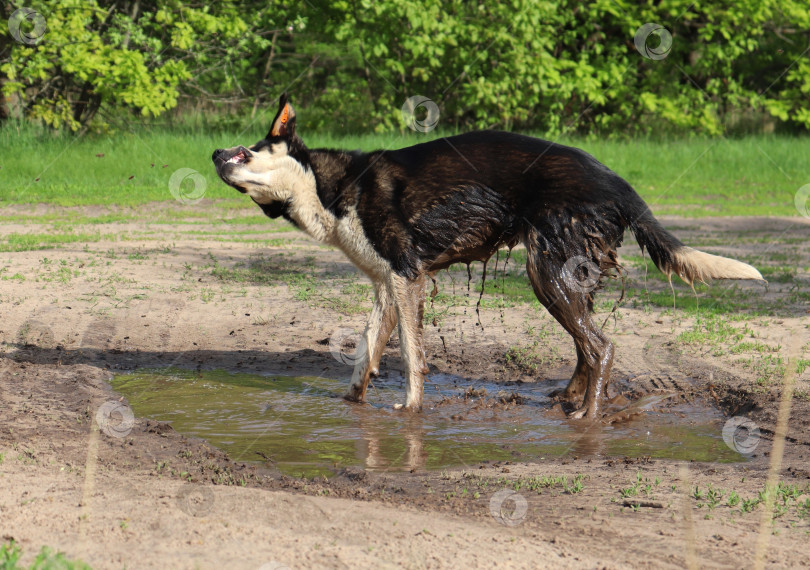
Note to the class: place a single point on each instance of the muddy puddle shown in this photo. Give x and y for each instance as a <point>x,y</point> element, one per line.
<point>301,425</point>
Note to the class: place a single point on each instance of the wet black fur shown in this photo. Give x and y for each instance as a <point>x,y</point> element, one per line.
<point>459,199</point>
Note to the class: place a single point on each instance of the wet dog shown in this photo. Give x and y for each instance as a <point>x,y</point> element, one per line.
<point>402,215</point>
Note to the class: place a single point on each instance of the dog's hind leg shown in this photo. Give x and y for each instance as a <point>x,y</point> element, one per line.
<point>378,330</point>
<point>578,383</point>
<point>571,307</point>
<point>409,296</point>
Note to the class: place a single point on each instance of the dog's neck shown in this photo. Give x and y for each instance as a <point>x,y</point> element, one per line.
<point>305,208</point>
<point>307,212</point>
<point>314,208</point>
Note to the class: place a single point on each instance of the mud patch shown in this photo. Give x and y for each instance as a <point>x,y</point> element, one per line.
<point>303,427</point>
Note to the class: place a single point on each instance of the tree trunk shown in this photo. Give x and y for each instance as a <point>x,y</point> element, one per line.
<point>266,72</point>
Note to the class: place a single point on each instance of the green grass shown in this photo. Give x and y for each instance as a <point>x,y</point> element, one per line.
<point>350,298</point>
<point>512,287</point>
<point>785,499</point>
<point>756,175</point>
<point>47,559</point>
<point>29,242</point>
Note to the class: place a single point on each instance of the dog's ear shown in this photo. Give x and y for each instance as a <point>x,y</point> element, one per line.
<point>284,123</point>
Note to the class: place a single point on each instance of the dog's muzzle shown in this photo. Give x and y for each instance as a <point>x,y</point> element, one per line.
<point>237,155</point>
<point>218,156</point>
<point>230,157</point>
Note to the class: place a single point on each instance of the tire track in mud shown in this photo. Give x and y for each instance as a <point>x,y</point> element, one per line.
<point>693,378</point>
<point>659,373</point>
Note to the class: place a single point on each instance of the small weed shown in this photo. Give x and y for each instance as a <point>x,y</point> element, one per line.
<point>522,357</point>
<point>787,492</point>
<point>748,505</point>
<point>804,509</point>
<point>10,555</point>
<point>713,497</point>
<point>577,486</point>
<point>733,499</point>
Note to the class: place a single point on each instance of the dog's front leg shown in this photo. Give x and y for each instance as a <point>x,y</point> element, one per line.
<point>378,331</point>
<point>409,294</point>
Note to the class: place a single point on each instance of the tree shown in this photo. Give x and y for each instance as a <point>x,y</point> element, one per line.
<point>553,65</point>
<point>567,66</point>
<point>129,56</point>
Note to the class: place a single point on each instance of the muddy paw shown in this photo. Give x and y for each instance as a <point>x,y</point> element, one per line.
<point>578,414</point>
<point>584,412</point>
<point>353,395</point>
<point>408,408</point>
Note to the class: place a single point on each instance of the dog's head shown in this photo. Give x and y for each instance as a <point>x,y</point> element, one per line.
<point>274,169</point>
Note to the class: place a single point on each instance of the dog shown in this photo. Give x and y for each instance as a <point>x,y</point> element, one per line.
<point>402,215</point>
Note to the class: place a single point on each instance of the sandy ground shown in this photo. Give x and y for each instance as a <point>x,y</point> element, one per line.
<point>162,294</point>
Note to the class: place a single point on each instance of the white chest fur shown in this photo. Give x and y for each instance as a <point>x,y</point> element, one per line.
<point>351,239</point>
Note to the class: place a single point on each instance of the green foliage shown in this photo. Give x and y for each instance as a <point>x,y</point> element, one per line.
<point>564,66</point>
<point>556,66</point>
<point>100,55</point>
<point>9,556</point>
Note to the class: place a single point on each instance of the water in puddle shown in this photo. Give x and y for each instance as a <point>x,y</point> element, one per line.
<point>304,428</point>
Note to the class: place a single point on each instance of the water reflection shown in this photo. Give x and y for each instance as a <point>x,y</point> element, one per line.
<point>302,426</point>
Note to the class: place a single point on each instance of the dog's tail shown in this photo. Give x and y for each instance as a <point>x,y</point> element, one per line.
<point>672,256</point>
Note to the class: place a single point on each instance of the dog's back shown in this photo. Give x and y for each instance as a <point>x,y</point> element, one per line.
<point>460,198</point>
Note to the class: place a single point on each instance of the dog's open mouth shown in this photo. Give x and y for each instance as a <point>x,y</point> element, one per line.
<point>238,158</point>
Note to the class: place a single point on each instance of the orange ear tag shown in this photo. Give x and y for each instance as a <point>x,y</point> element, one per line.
<point>282,121</point>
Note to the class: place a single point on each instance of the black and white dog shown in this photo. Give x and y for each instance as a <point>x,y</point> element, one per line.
<point>402,215</point>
